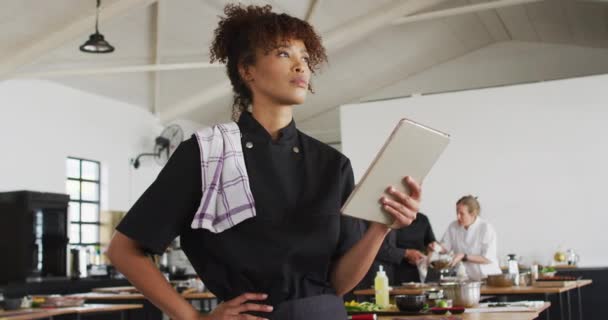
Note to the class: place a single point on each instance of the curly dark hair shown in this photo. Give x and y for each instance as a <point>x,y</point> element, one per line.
<point>247,28</point>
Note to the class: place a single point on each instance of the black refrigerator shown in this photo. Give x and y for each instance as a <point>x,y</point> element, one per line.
<point>33,235</point>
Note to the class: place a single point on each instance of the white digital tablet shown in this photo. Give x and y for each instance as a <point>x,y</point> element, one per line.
<point>411,150</point>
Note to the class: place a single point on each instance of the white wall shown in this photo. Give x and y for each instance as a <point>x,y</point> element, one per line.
<point>535,155</point>
<point>42,123</point>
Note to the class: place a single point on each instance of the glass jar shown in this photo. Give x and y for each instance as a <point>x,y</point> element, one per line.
<point>571,257</point>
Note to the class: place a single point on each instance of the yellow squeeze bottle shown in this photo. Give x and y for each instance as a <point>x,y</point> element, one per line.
<point>381,288</point>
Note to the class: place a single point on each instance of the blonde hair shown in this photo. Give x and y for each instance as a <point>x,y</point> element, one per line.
<point>471,203</point>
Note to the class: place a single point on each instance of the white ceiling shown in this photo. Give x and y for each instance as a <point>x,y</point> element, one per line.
<point>366,52</point>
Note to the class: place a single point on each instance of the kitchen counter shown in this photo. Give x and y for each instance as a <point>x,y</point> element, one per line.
<point>59,286</point>
<point>564,307</point>
<point>92,296</point>
<point>23,314</point>
<point>128,294</point>
<point>485,290</point>
<point>479,316</point>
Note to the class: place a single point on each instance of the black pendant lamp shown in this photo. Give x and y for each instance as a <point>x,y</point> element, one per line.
<point>96,42</point>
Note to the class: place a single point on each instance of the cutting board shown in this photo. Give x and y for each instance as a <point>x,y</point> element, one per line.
<point>380,313</point>
<point>126,289</point>
<point>554,284</point>
<point>500,309</point>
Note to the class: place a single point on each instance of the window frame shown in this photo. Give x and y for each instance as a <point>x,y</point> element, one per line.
<point>80,201</point>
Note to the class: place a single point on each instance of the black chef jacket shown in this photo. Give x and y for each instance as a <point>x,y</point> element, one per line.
<point>392,252</point>
<point>287,250</point>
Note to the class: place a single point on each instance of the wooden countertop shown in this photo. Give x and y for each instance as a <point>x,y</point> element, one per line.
<point>89,296</point>
<point>40,313</point>
<point>129,293</point>
<point>534,290</point>
<point>92,308</point>
<point>481,316</point>
<point>485,290</point>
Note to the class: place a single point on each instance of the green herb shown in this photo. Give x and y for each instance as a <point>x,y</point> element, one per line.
<point>363,306</point>
<point>547,269</point>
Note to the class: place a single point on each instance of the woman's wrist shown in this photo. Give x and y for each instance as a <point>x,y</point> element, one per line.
<point>379,228</point>
<point>193,314</point>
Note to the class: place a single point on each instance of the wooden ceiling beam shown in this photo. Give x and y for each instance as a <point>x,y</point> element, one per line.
<point>118,69</point>
<point>472,8</point>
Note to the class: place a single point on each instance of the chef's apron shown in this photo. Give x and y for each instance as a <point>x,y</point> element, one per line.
<point>321,307</point>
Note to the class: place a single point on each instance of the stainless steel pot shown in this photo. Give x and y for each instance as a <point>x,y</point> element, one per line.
<point>463,294</point>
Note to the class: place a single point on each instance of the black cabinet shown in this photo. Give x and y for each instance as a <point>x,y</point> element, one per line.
<point>33,235</point>
<point>593,296</point>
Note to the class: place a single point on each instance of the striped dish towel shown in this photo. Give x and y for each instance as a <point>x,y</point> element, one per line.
<point>227,198</point>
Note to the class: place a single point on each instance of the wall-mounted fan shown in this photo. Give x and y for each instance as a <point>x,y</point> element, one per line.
<point>164,145</point>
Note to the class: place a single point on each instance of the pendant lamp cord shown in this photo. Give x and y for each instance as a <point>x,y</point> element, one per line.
<point>97,17</point>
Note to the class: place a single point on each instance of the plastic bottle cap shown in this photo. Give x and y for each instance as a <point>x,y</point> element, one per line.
<point>381,271</point>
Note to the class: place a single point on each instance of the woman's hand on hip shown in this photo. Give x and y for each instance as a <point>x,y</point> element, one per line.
<point>234,309</point>
<point>403,207</point>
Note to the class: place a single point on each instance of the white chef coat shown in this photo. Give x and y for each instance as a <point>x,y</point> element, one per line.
<point>479,240</point>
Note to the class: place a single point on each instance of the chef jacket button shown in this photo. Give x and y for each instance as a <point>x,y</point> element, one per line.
<point>248,145</point>
<point>296,149</point>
